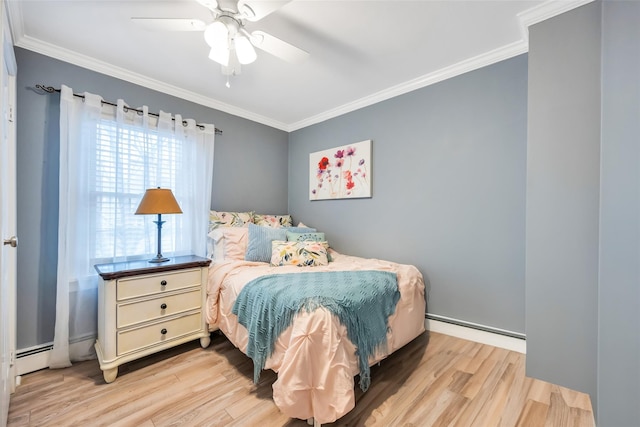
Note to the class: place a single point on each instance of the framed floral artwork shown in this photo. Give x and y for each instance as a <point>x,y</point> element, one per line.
<point>341,173</point>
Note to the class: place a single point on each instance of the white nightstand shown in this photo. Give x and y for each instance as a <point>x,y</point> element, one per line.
<point>144,308</point>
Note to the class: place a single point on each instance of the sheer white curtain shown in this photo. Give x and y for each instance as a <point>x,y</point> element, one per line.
<point>108,157</point>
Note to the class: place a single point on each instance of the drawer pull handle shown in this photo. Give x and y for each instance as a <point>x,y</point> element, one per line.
<point>163,331</point>
<point>163,283</point>
<point>163,306</point>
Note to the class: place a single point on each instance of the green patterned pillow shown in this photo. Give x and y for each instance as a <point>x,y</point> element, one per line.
<point>229,219</point>
<point>301,237</point>
<point>301,254</point>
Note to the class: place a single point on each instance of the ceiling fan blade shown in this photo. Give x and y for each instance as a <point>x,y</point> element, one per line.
<point>170,24</point>
<point>277,47</point>
<point>255,10</point>
<point>212,5</point>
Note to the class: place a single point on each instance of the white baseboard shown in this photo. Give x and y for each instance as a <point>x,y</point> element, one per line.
<point>476,335</point>
<point>40,360</point>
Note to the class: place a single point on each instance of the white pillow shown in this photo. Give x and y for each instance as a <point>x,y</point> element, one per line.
<point>215,245</point>
<point>227,243</point>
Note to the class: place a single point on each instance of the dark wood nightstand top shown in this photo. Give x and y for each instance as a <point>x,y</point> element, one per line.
<point>117,270</point>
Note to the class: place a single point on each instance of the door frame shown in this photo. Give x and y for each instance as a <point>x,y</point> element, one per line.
<point>8,226</point>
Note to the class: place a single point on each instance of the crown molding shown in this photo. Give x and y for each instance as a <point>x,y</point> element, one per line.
<point>14,11</point>
<point>527,18</point>
<point>96,65</point>
<point>544,11</point>
<point>16,24</point>
<point>536,14</point>
<point>479,61</point>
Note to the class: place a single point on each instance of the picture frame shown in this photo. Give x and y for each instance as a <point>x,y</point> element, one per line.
<point>342,172</point>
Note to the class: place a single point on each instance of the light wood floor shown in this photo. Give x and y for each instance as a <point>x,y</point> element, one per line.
<point>436,380</point>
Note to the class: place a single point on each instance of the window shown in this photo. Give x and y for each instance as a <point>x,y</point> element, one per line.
<point>129,160</point>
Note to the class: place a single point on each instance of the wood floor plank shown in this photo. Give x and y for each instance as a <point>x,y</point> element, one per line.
<point>415,395</point>
<point>488,372</point>
<point>478,358</point>
<point>540,391</point>
<point>436,380</point>
<point>497,399</point>
<point>559,411</point>
<point>479,400</point>
<point>173,400</point>
<point>580,417</point>
<point>534,414</point>
<point>454,406</point>
<point>519,390</point>
<point>575,400</point>
<point>81,411</point>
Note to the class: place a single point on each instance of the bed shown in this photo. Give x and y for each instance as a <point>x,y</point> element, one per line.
<point>315,359</point>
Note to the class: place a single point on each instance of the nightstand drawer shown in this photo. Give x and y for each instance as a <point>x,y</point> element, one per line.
<point>138,338</point>
<point>157,283</point>
<point>130,313</point>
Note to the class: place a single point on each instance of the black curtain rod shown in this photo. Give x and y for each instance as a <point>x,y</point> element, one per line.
<point>51,89</point>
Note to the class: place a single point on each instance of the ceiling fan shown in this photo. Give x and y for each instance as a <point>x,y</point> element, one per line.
<point>231,44</point>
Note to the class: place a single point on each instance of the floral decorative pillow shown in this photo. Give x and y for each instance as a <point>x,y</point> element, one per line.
<point>229,219</point>
<point>301,254</point>
<point>275,221</point>
<point>310,236</point>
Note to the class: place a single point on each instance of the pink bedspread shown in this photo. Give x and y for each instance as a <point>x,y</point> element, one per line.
<point>314,359</point>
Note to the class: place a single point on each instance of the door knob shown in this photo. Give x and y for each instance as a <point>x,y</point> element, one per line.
<point>13,241</point>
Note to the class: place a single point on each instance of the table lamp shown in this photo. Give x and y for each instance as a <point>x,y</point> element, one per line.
<point>158,201</point>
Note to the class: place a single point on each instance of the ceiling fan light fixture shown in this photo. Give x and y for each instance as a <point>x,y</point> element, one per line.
<point>220,54</point>
<point>231,45</point>
<point>245,51</point>
<point>216,34</point>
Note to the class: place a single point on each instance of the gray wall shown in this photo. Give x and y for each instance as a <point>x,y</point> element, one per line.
<point>448,190</point>
<point>563,179</point>
<point>619,291</point>
<point>583,206</point>
<point>250,172</point>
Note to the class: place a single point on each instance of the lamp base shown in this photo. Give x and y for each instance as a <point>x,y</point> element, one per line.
<point>159,260</point>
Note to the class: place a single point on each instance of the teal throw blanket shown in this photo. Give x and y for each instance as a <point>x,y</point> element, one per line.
<point>362,301</point>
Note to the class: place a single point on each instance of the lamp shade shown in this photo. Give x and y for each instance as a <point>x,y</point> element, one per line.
<point>245,51</point>
<point>216,34</point>
<point>220,54</point>
<point>158,201</point>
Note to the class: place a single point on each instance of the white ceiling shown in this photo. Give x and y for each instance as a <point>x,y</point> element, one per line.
<point>361,52</point>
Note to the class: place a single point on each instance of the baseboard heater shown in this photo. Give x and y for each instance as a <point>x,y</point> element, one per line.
<point>35,358</point>
<point>33,350</point>
<point>477,326</point>
<point>32,359</point>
